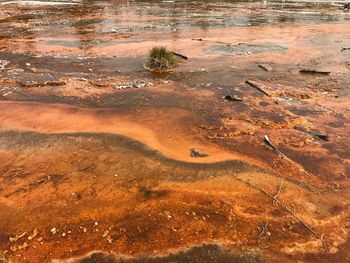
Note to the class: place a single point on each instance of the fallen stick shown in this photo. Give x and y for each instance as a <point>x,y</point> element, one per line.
<point>345,48</point>
<point>256,87</point>
<point>345,6</point>
<point>314,71</point>
<point>265,67</point>
<point>317,134</point>
<point>318,236</point>
<point>232,98</point>
<point>268,143</point>
<point>197,39</point>
<point>180,55</point>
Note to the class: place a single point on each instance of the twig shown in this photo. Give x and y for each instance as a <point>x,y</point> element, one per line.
<point>265,67</point>
<point>315,133</point>
<point>308,187</point>
<point>318,236</point>
<point>180,55</point>
<point>268,143</point>
<point>256,87</point>
<point>3,227</point>
<point>313,71</point>
<point>274,201</point>
<point>263,230</point>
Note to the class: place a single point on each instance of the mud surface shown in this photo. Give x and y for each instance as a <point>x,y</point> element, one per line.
<point>197,254</point>
<point>92,172</point>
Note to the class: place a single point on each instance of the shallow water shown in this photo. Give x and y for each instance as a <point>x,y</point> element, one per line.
<point>81,18</point>
<point>86,166</point>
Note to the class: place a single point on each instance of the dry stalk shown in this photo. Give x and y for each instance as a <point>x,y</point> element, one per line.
<point>263,230</point>
<point>277,200</point>
<point>274,201</point>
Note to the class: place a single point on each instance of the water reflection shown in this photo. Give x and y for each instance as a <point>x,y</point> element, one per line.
<point>93,23</point>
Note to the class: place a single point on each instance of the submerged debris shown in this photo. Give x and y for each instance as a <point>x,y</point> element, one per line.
<point>195,153</point>
<point>17,237</point>
<point>345,6</point>
<point>314,71</point>
<point>278,100</point>
<point>33,84</point>
<point>14,248</point>
<point>127,86</point>
<point>265,67</point>
<point>257,87</point>
<point>269,144</point>
<point>232,98</point>
<point>247,48</point>
<point>33,235</point>
<point>147,192</point>
<point>53,230</point>
<point>317,134</point>
<point>180,55</point>
<point>136,84</point>
<point>139,84</point>
<point>76,196</point>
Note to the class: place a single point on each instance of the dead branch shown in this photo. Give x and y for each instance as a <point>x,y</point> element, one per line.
<point>179,55</point>
<point>274,201</point>
<point>318,236</point>
<point>269,144</point>
<point>265,67</point>
<point>253,85</point>
<point>314,71</point>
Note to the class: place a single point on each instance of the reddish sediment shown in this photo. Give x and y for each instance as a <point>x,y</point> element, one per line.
<point>85,166</point>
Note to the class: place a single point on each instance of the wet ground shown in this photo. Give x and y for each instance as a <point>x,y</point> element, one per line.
<point>90,172</point>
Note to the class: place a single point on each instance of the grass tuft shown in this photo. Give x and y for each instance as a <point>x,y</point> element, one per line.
<point>161,60</point>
